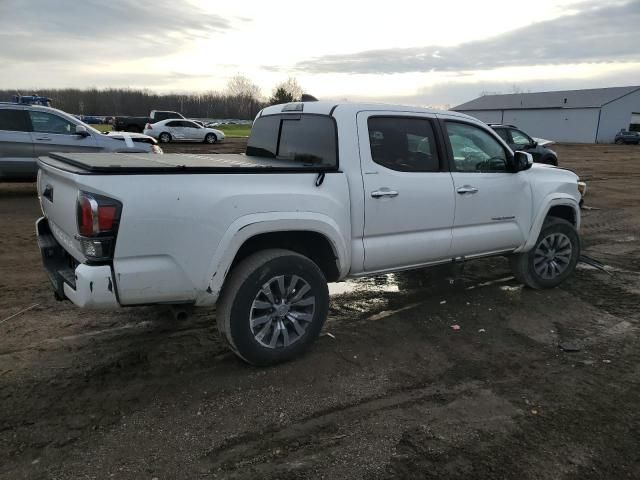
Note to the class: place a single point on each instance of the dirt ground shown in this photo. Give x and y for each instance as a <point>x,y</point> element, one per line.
<point>389,391</point>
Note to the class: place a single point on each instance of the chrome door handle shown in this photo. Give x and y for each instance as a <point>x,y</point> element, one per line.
<point>384,193</point>
<point>45,139</point>
<point>467,189</point>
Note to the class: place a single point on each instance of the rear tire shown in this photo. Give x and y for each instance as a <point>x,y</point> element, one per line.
<point>273,306</point>
<point>164,137</point>
<point>552,259</point>
<point>210,138</point>
<point>619,142</point>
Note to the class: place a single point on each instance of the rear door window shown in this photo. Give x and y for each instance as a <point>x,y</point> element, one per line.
<point>403,144</point>
<point>303,139</point>
<point>502,133</point>
<point>14,120</point>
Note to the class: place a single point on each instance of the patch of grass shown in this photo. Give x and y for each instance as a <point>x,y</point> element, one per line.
<point>105,127</point>
<point>235,130</point>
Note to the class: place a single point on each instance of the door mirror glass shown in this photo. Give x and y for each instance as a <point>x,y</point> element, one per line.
<point>522,161</point>
<point>82,131</point>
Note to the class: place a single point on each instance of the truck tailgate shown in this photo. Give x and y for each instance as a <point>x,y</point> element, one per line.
<point>58,193</point>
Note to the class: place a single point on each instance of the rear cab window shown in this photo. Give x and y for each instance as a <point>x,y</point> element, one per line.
<point>14,120</point>
<point>304,139</point>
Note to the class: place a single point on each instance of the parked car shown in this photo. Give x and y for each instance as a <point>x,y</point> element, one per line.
<point>625,136</point>
<point>519,140</point>
<point>31,131</point>
<point>325,191</point>
<point>182,131</point>
<point>136,138</point>
<point>137,124</point>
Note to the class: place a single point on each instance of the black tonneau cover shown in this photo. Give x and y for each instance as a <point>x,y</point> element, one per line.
<point>146,163</point>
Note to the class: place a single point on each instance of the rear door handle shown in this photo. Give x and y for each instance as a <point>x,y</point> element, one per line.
<point>384,193</point>
<point>44,139</point>
<point>467,189</point>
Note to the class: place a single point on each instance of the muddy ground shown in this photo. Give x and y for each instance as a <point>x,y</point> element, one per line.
<point>392,392</point>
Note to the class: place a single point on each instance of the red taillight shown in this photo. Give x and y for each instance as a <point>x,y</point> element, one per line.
<point>85,216</point>
<point>148,127</point>
<point>98,219</point>
<point>97,215</point>
<point>106,217</point>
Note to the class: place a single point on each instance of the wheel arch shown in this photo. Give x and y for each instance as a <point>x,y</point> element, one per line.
<point>565,207</point>
<point>313,235</point>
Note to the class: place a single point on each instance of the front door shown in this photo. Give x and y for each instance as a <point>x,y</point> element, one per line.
<point>193,131</point>
<point>493,205</point>
<point>408,192</point>
<point>53,133</point>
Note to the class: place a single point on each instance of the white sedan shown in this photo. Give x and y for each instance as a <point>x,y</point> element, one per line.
<point>179,130</point>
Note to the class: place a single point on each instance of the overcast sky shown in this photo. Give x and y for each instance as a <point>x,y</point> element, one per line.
<point>415,52</point>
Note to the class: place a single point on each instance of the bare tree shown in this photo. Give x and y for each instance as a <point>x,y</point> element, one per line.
<point>241,86</point>
<point>291,87</point>
<point>139,102</point>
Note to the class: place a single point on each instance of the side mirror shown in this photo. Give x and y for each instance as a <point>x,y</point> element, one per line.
<point>522,161</point>
<point>82,131</point>
<point>533,144</point>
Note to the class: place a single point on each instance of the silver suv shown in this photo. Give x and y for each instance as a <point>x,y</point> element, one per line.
<point>31,131</point>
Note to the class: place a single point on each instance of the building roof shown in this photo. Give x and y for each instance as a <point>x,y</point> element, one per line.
<point>590,98</point>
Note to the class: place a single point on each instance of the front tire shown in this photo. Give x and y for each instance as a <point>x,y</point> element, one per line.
<point>210,138</point>
<point>273,306</point>
<point>620,142</point>
<point>552,259</point>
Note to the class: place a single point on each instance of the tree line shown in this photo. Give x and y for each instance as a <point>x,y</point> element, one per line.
<point>242,99</point>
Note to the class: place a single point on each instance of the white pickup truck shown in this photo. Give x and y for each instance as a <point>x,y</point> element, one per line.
<point>324,192</point>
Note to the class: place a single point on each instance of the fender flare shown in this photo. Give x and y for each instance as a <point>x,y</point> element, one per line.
<point>251,225</point>
<point>552,200</point>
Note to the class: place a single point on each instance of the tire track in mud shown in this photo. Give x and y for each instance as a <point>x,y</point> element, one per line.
<point>611,297</point>
<point>321,431</point>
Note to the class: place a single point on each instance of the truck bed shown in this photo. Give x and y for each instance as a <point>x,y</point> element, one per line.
<point>172,163</point>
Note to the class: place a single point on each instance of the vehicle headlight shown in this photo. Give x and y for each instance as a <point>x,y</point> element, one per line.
<point>156,149</point>
<point>582,188</point>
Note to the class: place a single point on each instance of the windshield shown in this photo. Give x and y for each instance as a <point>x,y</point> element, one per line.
<point>306,139</point>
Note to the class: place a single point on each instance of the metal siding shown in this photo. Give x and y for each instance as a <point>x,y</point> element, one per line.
<point>617,115</point>
<point>562,125</point>
<point>587,98</point>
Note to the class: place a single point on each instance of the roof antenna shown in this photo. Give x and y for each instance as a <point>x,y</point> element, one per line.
<point>308,98</point>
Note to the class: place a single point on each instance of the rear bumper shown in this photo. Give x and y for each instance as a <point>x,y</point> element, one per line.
<point>85,285</point>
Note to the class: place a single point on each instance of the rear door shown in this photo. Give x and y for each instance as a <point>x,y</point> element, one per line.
<point>17,157</point>
<point>493,205</point>
<point>54,133</point>
<point>409,199</point>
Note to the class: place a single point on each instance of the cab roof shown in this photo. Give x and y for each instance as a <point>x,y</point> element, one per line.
<point>327,108</point>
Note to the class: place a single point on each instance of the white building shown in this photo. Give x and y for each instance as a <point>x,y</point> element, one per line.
<point>584,116</point>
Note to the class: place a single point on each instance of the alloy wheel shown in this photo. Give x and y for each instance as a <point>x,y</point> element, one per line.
<point>281,311</point>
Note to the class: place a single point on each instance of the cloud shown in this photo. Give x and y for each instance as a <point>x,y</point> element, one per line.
<point>97,30</point>
<point>594,34</point>
<point>445,94</point>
